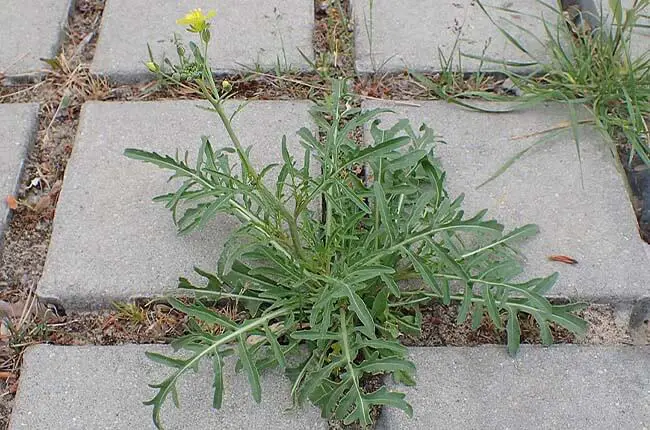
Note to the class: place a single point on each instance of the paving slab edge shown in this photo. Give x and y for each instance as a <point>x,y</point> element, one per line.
<point>55,49</point>
<point>31,136</point>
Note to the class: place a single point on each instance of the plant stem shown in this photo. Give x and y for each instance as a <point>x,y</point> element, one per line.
<point>212,95</point>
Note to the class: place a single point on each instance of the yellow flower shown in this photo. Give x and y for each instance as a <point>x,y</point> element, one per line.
<point>226,85</point>
<point>196,20</point>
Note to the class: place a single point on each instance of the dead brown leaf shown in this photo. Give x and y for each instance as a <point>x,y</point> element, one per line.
<point>563,259</point>
<point>12,202</point>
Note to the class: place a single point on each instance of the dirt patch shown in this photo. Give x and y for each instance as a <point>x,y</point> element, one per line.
<point>439,329</point>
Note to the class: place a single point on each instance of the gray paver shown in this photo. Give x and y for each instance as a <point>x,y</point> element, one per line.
<point>407,34</point>
<point>595,224</point>
<point>18,125</point>
<point>244,33</point>
<point>103,387</point>
<point>568,386</point>
<point>30,30</point>
<point>110,241</point>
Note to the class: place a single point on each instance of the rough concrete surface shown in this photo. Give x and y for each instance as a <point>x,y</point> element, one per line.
<point>393,36</point>
<point>103,387</point>
<point>582,209</point>
<point>561,387</point>
<point>245,33</point>
<point>18,126</point>
<point>29,30</point>
<point>110,241</point>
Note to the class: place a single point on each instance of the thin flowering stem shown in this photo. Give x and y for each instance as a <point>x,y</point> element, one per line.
<point>215,99</point>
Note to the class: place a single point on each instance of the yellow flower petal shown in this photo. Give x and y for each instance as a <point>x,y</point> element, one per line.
<point>190,18</point>
<point>196,20</point>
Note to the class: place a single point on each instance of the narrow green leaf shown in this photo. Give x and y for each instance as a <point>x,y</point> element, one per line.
<point>504,32</point>
<point>465,305</point>
<point>389,364</point>
<point>390,398</point>
<point>165,360</point>
<point>380,304</point>
<point>570,322</point>
<point>387,220</point>
<point>166,162</point>
<point>168,385</point>
<point>383,344</point>
<point>286,157</point>
<point>314,379</point>
<point>443,254</point>
<point>516,234</point>
<point>617,10</point>
<point>492,309</point>
<point>514,332</point>
<point>353,399</point>
<point>197,310</point>
<point>446,292</point>
<point>354,198</point>
<point>410,325</point>
<point>335,395</point>
<point>250,369</point>
<point>217,366</point>
<point>275,346</point>
<point>545,284</point>
<point>362,275</point>
<point>544,329</point>
<point>216,206</point>
<point>390,284</point>
<point>408,160</point>
<point>423,270</point>
<point>314,335</point>
<point>477,315</point>
<point>359,308</point>
<point>377,150</point>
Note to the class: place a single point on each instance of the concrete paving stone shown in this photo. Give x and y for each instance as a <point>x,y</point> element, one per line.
<point>110,241</point>
<point>18,126</point>
<point>589,218</point>
<point>409,33</point>
<point>103,387</point>
<point>561,387</point>
<point>245,33</point>
<point>29,30</point>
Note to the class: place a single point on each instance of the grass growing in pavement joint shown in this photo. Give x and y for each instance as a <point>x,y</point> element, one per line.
<point>333,40</point>
<point>591,67</point>
<point>451,83</point>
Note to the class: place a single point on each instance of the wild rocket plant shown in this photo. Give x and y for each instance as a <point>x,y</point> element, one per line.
<point>320,258</point>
